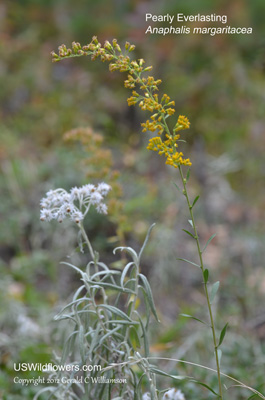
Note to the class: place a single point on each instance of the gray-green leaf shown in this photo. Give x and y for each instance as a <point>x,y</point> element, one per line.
<point>148,291</point>
<point>191,316</point>
<point>115,310</point>
<point>146,240</point>
<point>129,250</point>
<point>188,261</point>
<point>215,288</point>
<point>190,222</point>
<point>124,272</point>
<point>208,241</point>
<point>177,187</point>
<point>176,377</point>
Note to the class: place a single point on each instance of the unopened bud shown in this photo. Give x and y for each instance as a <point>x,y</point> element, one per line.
<point>148,68</point>
<point>53,54</point>
<point>107,45</point>
<point>76,46</point>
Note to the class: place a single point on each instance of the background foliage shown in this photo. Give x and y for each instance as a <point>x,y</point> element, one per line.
<point>218,82</point>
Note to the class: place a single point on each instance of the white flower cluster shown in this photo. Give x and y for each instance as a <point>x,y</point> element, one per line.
<point>146,396</point>
<point>173,394</point>
<point>59,204</point>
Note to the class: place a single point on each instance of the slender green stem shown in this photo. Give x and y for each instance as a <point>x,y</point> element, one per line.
<point>185,192</point>
<point>91,251</point>
<point>94,258</point>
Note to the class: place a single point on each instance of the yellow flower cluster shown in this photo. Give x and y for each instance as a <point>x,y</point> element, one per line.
<point>183,123</point>
<point>169,146</point>
<point>161,108</point>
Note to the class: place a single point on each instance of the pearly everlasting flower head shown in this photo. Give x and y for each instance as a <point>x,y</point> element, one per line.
<point>59,204</point>
<point>173,394</point>
<point>146,396</point>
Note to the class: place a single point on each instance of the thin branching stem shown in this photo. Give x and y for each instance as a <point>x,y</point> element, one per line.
<point>196,237</point>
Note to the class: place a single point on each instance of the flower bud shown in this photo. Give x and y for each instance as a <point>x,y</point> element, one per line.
<point>107,45</point>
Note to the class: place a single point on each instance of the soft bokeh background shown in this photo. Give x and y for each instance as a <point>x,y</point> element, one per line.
<point>218,82</point>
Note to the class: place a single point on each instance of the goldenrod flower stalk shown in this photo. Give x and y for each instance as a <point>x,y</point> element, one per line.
<point>161,108</point>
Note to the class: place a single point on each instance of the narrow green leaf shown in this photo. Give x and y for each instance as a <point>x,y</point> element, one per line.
<point>146,240</point>
<point>126,283</point>
<point>188,175</point>
<point>135,337</point>
<point>69,345</point>
<point>124,272</point>
<point>190,262</point>
<point>249,398</point>
<point>121,322</point>
<point>95,339</point>
<point>222,334</point>
<point>195,201</point>
<point>208,241</point>
<point>105,274</point>
<point>204,385</point>
<point>81,339</point>
<point>176,377</point>
<point>109,333</point>
<point>215,288</point>
<point>177,187</point>
<point>129,250</point>
<point>206,275</point>
<point>75,302</point>
<point>184,230</point>
<point>191,316</point>
<point>73,266</point>
<point>149,294</point>
<point>144,335</point>
<point>77,293</point>
<point>108,286</point>
<point>67,316</point>
<point>115,310</point>
<point>139,386</point>
<point>147,307</point>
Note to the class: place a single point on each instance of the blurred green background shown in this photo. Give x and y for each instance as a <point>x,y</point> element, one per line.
<point>219,84</point>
